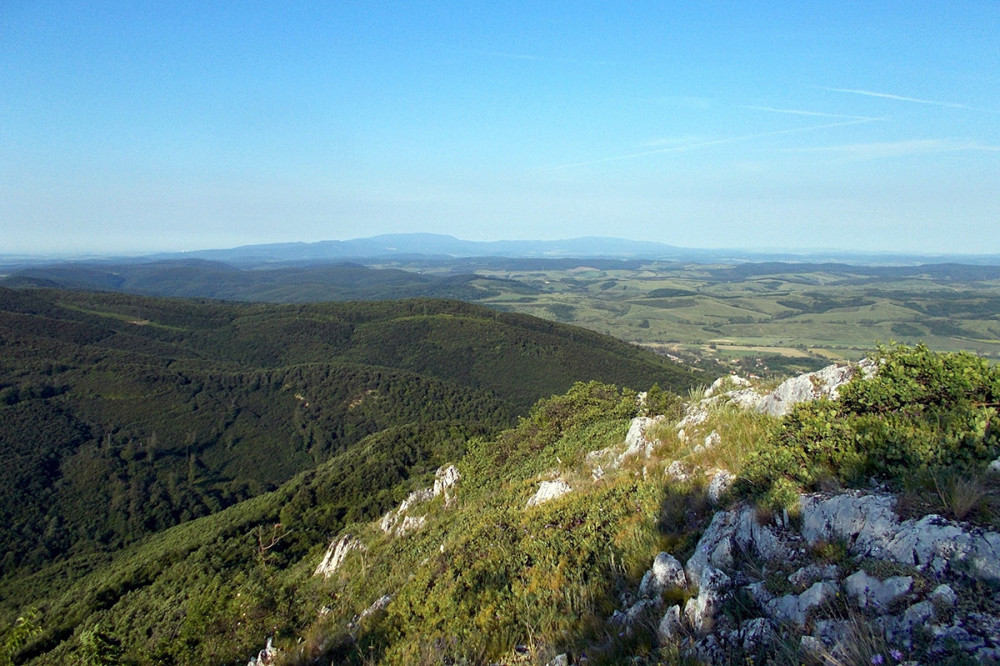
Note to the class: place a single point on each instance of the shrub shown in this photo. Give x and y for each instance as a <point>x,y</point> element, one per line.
<point>921,410</point>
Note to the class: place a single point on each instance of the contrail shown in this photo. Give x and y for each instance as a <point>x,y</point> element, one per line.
<point>799,112</point>
<point>714,142</point>
<point>900,98</point>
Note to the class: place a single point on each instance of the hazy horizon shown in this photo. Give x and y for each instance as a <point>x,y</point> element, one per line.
<point>857,127</point>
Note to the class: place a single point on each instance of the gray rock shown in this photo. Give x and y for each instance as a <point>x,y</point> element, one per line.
<point>712,589</point>
<point>869,592</point>
<point>336,553</point>
<point>868,522</point>
<point>935,543</point>
<point>379,604</point>
<point>636,441</point>
<point>712,440</point>
<point>666,573</point>
<point>812,646</point>
<point>756,539</point>
<point>870,525</point>
<point>669,628</point>
<point>951,637</point>
<point>813,573</point>
<point>831,632</point>
<point>729,534</point>
<point>718,485</point>
<point>759,593</point>
<point>678,471</point>
<point>549,490</point>
<point>266,656</point>
<point>560,660</point>
<point>823,383</point>
<point>726,383</point>
<point>943,596</point>
<point>901,628</point>
<point>757,635</point>
<point>795,608</point>
<point>631,616</point>
<point>445,479</point>
<point>409,524</point>
<point>994,467</point>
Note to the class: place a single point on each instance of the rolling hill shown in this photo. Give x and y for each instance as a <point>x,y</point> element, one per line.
<point>121,416</point>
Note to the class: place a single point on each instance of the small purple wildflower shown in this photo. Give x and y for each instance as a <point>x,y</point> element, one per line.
<point>878,660</point>
<point>896,654</point>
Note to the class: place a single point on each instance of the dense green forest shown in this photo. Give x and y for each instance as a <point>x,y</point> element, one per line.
<point>121,416</point>
<point>489,578</point>
<point>765,318</point>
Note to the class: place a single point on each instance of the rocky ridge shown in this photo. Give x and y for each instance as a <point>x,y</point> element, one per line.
<point>839,570</point>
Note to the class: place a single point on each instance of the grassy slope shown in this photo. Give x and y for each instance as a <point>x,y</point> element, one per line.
<point>124,415</point>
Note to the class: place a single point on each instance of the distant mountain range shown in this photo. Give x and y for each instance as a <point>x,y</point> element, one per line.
<point>444,246</point>
<point>429,246</point>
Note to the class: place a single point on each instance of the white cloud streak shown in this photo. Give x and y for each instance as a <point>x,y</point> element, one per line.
<point>713,142</point>
<point>886,149</point>
<point>901,98</point>
<point>799,112</point>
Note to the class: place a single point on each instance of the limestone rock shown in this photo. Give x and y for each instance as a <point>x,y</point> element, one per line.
<point>756,635</point>
<point>445,479</point>
<point>814,573</point>
<point>712,440</point>
<point>666,573</point>
<point>720,482</point>
<point>868,522</point>
<point>795,608</point>
<point>379,604</point>
<point>391,520</point>
<point>670,626</point>
<point>870,592</point>
<point>396,521</point>
<point>409,524</point>
<point>560,660</point>
<point>636,441</point>
<point>265,657</point>
<point>737,529</point>
<point>731,382</point>
<point>678,471</point>
<point>549,490</point>
<point>336,553</point>
<point>901,628</point>
<point>944,597</point>
<point>823,383</point>
<point>712,590</point>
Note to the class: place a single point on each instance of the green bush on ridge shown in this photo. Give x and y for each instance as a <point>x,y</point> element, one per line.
<point>921,410</point>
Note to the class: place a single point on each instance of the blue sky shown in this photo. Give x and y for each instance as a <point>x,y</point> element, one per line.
<point>142,126</point>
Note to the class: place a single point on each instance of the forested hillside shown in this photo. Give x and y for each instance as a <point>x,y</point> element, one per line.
<point>122,415</point>
<point>858,528</point>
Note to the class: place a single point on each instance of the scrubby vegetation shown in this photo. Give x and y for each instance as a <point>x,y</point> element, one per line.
<point>294,445</point>
<point>123,416</point>
<point>923,413</point>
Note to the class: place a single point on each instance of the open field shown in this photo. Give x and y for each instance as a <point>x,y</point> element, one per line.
<point>763,318</point>
<point>768,318</point>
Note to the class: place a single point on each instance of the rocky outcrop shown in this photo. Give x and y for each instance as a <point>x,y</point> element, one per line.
<point>636,440</point>
<point>549,490</point>
<point>445,479</point>
<point>751,585</point>
<point>824,383</point>
<point>398,523</point>
<point>871,528</point>
<point>265,657</point>
<point>665,574</point>
<point>336,554</point>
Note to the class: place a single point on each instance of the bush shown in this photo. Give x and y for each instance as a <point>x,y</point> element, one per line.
<point>922,410</point>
